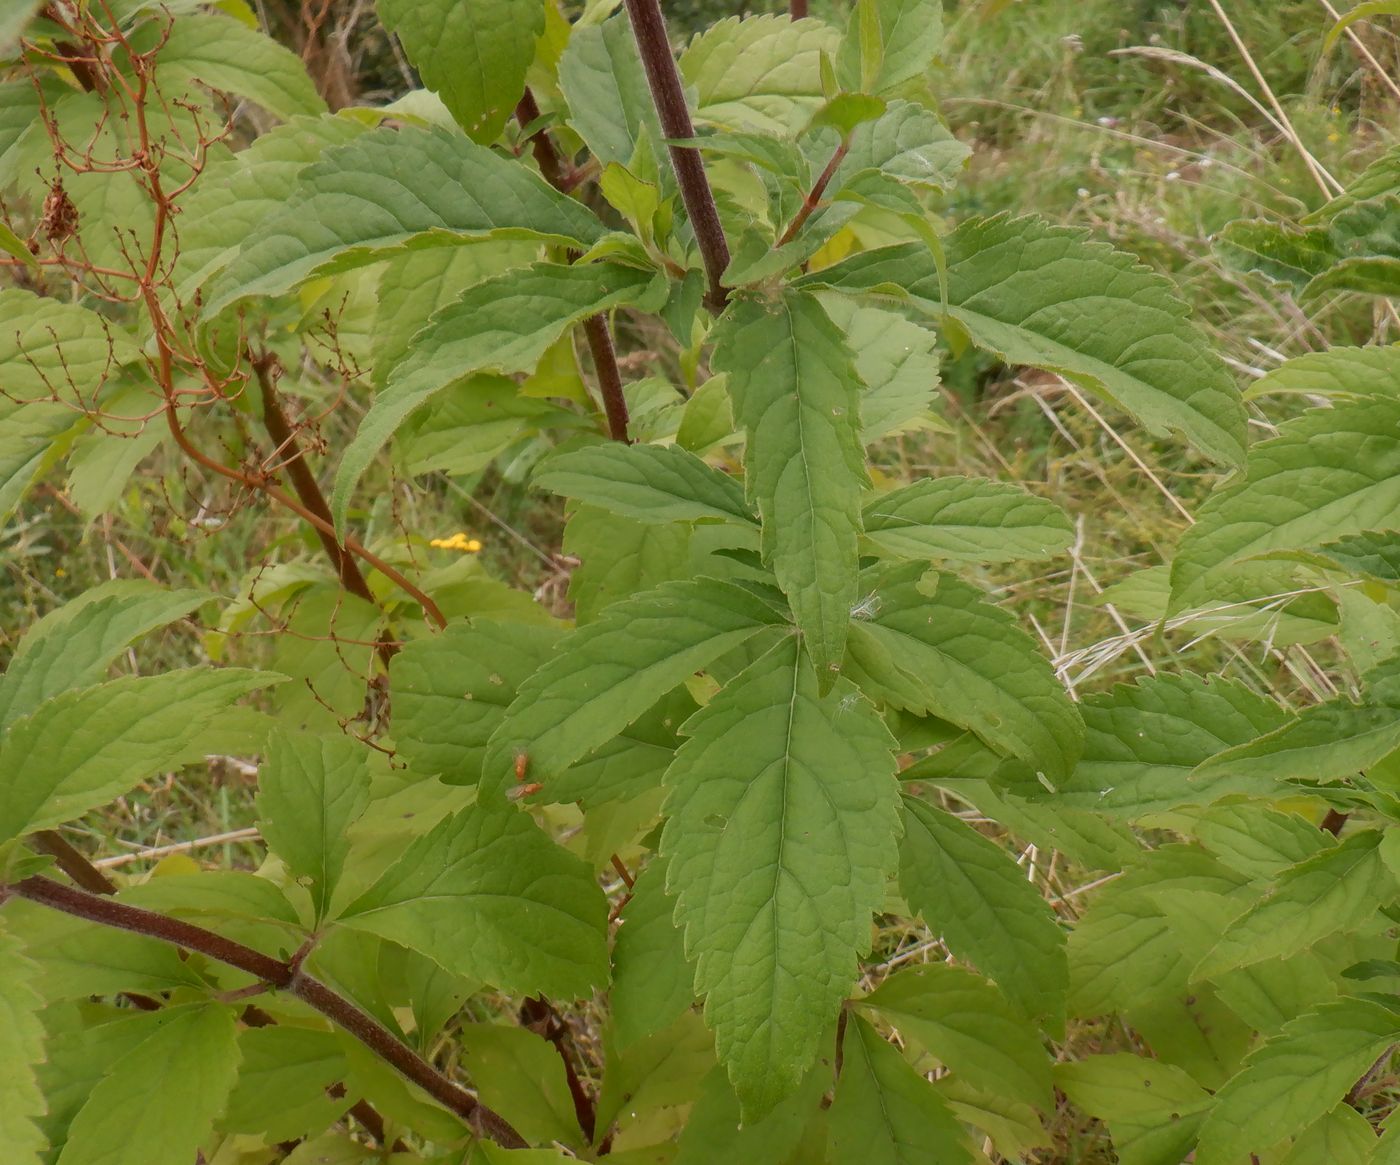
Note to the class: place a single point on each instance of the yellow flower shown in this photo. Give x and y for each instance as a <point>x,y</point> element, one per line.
<point>458,541</point>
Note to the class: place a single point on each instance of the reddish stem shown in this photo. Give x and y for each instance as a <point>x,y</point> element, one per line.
<point>814,196</point>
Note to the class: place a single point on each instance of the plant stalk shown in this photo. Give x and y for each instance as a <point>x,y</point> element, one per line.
<point>668,95</point>
<point>283,975</point>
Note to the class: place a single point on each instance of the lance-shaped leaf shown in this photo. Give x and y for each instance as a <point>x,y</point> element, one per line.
<point>223,53</point>
<point>610,105</point>
<point>651,483</point>
<point>971,891</point>
<point>1295,1078</point>
<point>1258,841</point>
<point>782,818</point>
<point>389,190</point>
<point>158,1102</point>
<point>966,1023</point>
<point>1339,889</point>
<point>611,671</point>
<point>1142,741</point>
<point>311,789</point>
<point>1329,473</point>
<point>886,1113</point>
<point>944,650</point>
<point>651,977</point>
<point>889,42</point>
<point>966,519</point>
<point>1338,372</point>
<point>488,895</point>
<point>473,56</point>
<point>1152,1109</point>
<point>72,646</point>
<point>1049,297</point>
<point>82,748</point>
<point>797,396</point>
<point>451,692</point>
<point>503,325</point>
<point>21,1049</point>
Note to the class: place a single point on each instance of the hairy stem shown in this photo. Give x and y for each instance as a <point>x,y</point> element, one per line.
<point>285,976</point>
<point>667,93</point>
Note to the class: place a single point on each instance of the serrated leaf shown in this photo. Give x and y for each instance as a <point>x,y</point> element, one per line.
<point>910,34</point>
<point>311,789</point>
<point>82,748</point>
<point>1295,1078</point>
<point>620,557</point>
<point>1278,252</point>
<point>1339,889</point>
<point>488,895</point>
<point>651,483</point>
<point>608,673</point>
<point>503,325</point>
<point>50,349</point>
<point>662,1070</point>
<point>451,692</point>
<point>1258,841</point>
<point>717,1130</point>
<point>21,1049</point>
<point>970,891</point>
<point>72,646</point>
<point>1329,473</point>
<point>520,1076</point>
<point>885,1113</point>
<point>394,189</point>
<point>1152,1109</point>
<point>781,822</point>
<point>473,56</point>
<point>601,76</point>
<point>966,1024</point>
<point>898,362</point>
<point>966,519</point>
<point>1049,297</point>
<point>159,1101</point>
<point>1143,741</point>
<point>651,977</point>
<point>222,53</point>
<point>1338,372</point>
<point>944,650</point>
<point>760,73</point>
<point>797,396</point>
<point>282,1083</point>
<point>1342,1137</point>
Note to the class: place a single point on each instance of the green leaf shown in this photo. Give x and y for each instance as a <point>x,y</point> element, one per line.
<point>1295,1078</point>
<point>488,895</point>
<point>502,325</point>
<point>222,53</point>
<point>21,1049</point>
<point>282,1082</point>
<point>651,977</point>
<point>311,789</point>
<point>896,359</point>
<point>73,646</point>
<point>966,519</point>
<point>1049,297</point>
<point>82,748</point>
<point>797,396</point>
<point>608,673</point>
<point>1366,10</point>
<point>781,822</point>
<point>1339,889</point>
<point>451,692</point>
<point>969,890</point>
<point>1152,1109</point>
<point>910,35</point>
<point>394,189</point>
<point>521,1076</point>
<point>1258,841</point>
<point>761,73</point>
<point>1372,552</point>
<point>660,1071</point>
<point>1336,373</point>
<point>1142,741</point>
<point>719,1131</point>
<point>473,56</point>
<point>966,1023</point>
<point>1342,1137</point>
<point>1329,473</point>
<point>944,650</point>
<point>908,142</point>
<point>1277,252</point>
<point>53,350</point>
<point>651,483</point>
<point>885,1113</point>
<point>610,106</point>
<point>12,25</point>
<point>638,556</point>
<point>159,1101</point>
